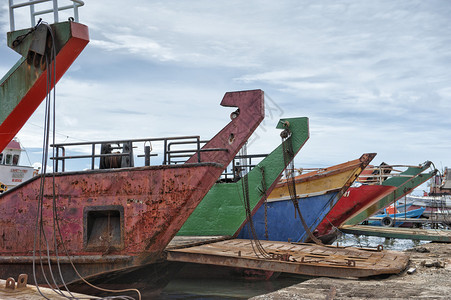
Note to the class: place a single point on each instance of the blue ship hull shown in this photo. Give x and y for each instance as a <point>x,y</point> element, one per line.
<point>284,223</point>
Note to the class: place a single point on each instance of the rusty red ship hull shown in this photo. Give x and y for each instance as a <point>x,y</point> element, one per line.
<point>148,205</point>
<point>115,220</point>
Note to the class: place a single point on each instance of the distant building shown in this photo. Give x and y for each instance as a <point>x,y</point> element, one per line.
<point>11,173</point>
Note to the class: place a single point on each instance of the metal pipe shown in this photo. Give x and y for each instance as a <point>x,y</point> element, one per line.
<point>385,175</point>
<point>33,23</point>
<point>189,142</point>
<point>93,149</point>
<point>56,163</point>
<point>165,154</point>
<point>147,155</point>
<point>89,156</point>
<point>11,15</point>
<point>198,151</point>
<point>75,11</point>
<point>42,12</point>
<point>195,150</point>
<point>55,11</point>
<point>64,162</point>
<point>78,3</point>
<point>32,2</point>
<point>255,156</point>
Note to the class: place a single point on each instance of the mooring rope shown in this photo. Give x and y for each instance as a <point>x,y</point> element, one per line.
<point>288,156</point>
<point>265,200</point>
<point>257,247</point>
<point>50,61</point>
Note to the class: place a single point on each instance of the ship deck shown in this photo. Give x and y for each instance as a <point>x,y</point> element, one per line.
<point>435,235</point>
<point>303,259</point>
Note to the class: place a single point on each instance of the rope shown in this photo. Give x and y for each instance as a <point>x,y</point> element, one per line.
<point>288,156</point>
<point>336,229</point>
<point>265,195</point>
<point>39,239</point>
<point>257,247</point>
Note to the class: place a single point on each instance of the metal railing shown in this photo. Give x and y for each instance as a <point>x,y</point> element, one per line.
<point>55,10</point>
<point>240,166</point>
<point>381,173</point>
<point>111,156</point>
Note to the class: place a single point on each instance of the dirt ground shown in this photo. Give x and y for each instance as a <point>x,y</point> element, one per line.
<point>431,279</point>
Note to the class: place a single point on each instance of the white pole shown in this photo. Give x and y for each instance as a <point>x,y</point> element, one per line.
<point>55,11</point>
<point>11,15</point>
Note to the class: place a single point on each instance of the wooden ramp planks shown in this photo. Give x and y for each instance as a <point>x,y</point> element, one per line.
<point>436,235</point>
<point>304,259</point>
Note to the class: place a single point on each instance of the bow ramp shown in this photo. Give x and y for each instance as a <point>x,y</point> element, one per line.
<point>250,113</point>
<point>221,212</point>
<point>293,258</point>
<point>24,87</point>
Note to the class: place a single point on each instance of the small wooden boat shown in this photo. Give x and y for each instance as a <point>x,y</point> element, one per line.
<point>395,219</point>
<point>316,193</point>
<point>398,206</point>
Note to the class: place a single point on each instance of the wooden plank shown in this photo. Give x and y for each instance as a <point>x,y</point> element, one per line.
<point>304,259</point>
<point>400,233</point>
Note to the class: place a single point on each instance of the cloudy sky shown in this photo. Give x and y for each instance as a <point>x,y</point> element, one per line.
<point>371,76</point>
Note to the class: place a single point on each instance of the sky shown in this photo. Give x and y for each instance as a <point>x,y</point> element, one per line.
<point>371,76</point>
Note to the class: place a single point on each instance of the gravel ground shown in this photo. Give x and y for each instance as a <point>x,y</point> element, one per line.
<point>430,280</point>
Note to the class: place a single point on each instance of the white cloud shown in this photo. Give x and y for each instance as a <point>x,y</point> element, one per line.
<point>136,45</point>
<point>371,76</point>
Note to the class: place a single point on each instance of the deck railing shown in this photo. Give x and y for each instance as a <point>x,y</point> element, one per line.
<point>120,153</point>
<point>33,13</point>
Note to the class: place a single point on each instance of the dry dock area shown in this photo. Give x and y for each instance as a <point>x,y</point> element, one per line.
<point>430,265</point>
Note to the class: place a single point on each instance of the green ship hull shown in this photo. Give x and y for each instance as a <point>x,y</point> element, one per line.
<point>222,211</point>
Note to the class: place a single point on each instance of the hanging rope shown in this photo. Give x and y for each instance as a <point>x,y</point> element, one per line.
<point>257,247</point>
<point>265,200</point>
<point>288,156</point>
<point>40,238</point>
